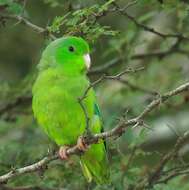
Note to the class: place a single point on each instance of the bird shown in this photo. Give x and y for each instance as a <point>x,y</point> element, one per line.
<point>61,80</point>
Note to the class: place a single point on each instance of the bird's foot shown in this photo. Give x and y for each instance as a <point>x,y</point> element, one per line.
<point>82,145</point>
<point>62,153</point>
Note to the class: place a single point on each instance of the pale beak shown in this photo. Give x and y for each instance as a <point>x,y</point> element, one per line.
<point>87,60</point>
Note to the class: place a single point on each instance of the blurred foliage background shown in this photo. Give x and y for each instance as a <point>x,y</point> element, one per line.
<point>122,34</point>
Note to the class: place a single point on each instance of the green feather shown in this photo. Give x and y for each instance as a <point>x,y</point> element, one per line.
<point>60,82</point>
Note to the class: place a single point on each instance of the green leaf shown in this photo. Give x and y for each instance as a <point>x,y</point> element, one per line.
<point>57,23</point>
<point>11,6</point>
<point>15,8</point>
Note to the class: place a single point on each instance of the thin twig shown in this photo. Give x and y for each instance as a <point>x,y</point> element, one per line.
<point>103,77</point>
<point>158,54</point>
<point>26,22</point>
<point>147,28</point>
<point>111,77</point>
<point>139,88</point>
<point>16,102</point>
<point>155,176</point>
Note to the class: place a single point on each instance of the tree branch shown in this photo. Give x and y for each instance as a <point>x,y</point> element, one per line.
<point>26,22</point>
<point>158,54</point>
<point>116,132</point>
<point>16,102</point>
<point>155,176</point>
<point>144,27</point>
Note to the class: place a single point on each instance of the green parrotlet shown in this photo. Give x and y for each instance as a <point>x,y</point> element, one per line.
<point>61,81</point>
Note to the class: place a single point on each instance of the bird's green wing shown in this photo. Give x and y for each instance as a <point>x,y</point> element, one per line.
<point>94,162</point>
<point>98,113</point>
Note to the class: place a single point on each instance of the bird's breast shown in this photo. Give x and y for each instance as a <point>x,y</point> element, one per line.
<point>56,106</point>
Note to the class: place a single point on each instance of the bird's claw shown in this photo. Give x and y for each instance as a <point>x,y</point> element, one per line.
<point>62,153</point>
<point>82,145</point>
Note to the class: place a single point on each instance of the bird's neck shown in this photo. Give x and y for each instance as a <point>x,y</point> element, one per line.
<point>56,74</point>
<point>66,72</point>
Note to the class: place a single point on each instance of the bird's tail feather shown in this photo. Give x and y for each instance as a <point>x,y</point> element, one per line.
<point>86,171</point>
<point>95,164</point>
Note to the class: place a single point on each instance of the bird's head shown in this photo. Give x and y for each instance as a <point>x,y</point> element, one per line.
<point>68,53</point>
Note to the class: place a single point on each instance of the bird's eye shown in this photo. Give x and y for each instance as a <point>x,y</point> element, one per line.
<point>71,49</point>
